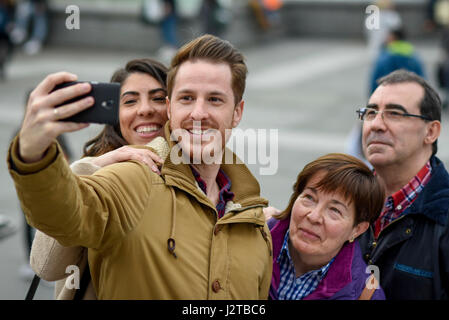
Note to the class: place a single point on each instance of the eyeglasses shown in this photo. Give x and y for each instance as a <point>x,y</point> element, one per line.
<point>369,114</point>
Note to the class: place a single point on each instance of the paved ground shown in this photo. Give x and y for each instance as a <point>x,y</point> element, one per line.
<point>307,89</point>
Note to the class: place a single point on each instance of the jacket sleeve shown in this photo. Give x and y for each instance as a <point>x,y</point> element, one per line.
<point>89,211</point>
<point>48,258</point>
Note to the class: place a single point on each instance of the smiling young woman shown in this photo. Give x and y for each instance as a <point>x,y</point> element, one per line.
<point>113,137</point>
<point>143,112</point>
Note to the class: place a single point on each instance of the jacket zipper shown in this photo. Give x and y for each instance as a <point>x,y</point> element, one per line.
<point>400,218</point>
<point>378,237</point>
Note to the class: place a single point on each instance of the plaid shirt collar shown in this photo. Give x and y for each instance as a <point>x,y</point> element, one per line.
<point>224,184</point>
<point>396,204</point>
<point>291,287</point>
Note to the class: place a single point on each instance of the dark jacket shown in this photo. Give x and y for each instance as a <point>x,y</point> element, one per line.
<point>412,252</point>
<point>345,279</point>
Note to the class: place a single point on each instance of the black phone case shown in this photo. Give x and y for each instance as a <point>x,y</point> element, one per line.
<point>106,107</point>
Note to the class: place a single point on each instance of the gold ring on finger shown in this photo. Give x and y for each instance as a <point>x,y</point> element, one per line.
<point>56,113</point>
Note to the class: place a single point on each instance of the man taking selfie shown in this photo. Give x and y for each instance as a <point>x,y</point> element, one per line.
<point>195,232</point>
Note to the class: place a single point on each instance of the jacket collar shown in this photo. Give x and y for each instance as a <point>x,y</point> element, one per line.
<point>247,190</point>
<point>433,201</point>
<point>278,228</point>
<point>338,275</point>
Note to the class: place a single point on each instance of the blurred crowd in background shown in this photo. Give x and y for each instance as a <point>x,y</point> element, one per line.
<point>24,23</point>
<point>24,27</point>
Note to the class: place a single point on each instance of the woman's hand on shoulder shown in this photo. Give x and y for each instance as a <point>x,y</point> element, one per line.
<point>125,153</point>
<point>269,212</point>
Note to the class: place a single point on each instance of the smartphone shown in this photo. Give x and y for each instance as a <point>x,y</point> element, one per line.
<point>106,107</point>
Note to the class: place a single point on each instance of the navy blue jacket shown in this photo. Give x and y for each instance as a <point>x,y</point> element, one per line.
<point>412,252</point>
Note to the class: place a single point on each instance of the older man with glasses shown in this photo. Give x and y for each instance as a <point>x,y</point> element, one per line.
<point>409,242</point>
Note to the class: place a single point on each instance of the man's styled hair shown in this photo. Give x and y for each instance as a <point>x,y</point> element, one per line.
<point>430,105</point>
<point>348,176</point>
<point>215,50</point>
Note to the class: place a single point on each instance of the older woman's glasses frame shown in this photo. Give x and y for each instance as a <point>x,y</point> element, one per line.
<point>369,114</point>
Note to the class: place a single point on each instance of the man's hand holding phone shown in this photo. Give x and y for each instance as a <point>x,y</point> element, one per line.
<point>42,124</point>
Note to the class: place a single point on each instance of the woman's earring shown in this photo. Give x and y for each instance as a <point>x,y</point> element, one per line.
<point>351,240</point>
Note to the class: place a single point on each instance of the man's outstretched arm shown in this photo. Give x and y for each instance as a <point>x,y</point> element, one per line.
<point>90,211</point>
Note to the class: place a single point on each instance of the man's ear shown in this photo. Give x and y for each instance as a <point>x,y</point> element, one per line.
<point>167,103</point>
<point>433,132</point>
<point>238,112</point>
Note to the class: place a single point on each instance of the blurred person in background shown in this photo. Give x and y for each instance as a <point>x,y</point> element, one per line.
<point>216,16</point>
<point>30,15</point>
<point>441,13</point>
<point>6,13</point>
<point>430,23</point>
<point>169,26</point>
<point>389,19</point>
<point>7,228</point>
<point>315,252</point>
<point>409,241</point>
<point>266,12</point>
<point>437,14</point>
<point>397,53</point>
<point>442,18</point>
<point>443,68</point>
<point>142,100</point>
<point>163,15</point>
